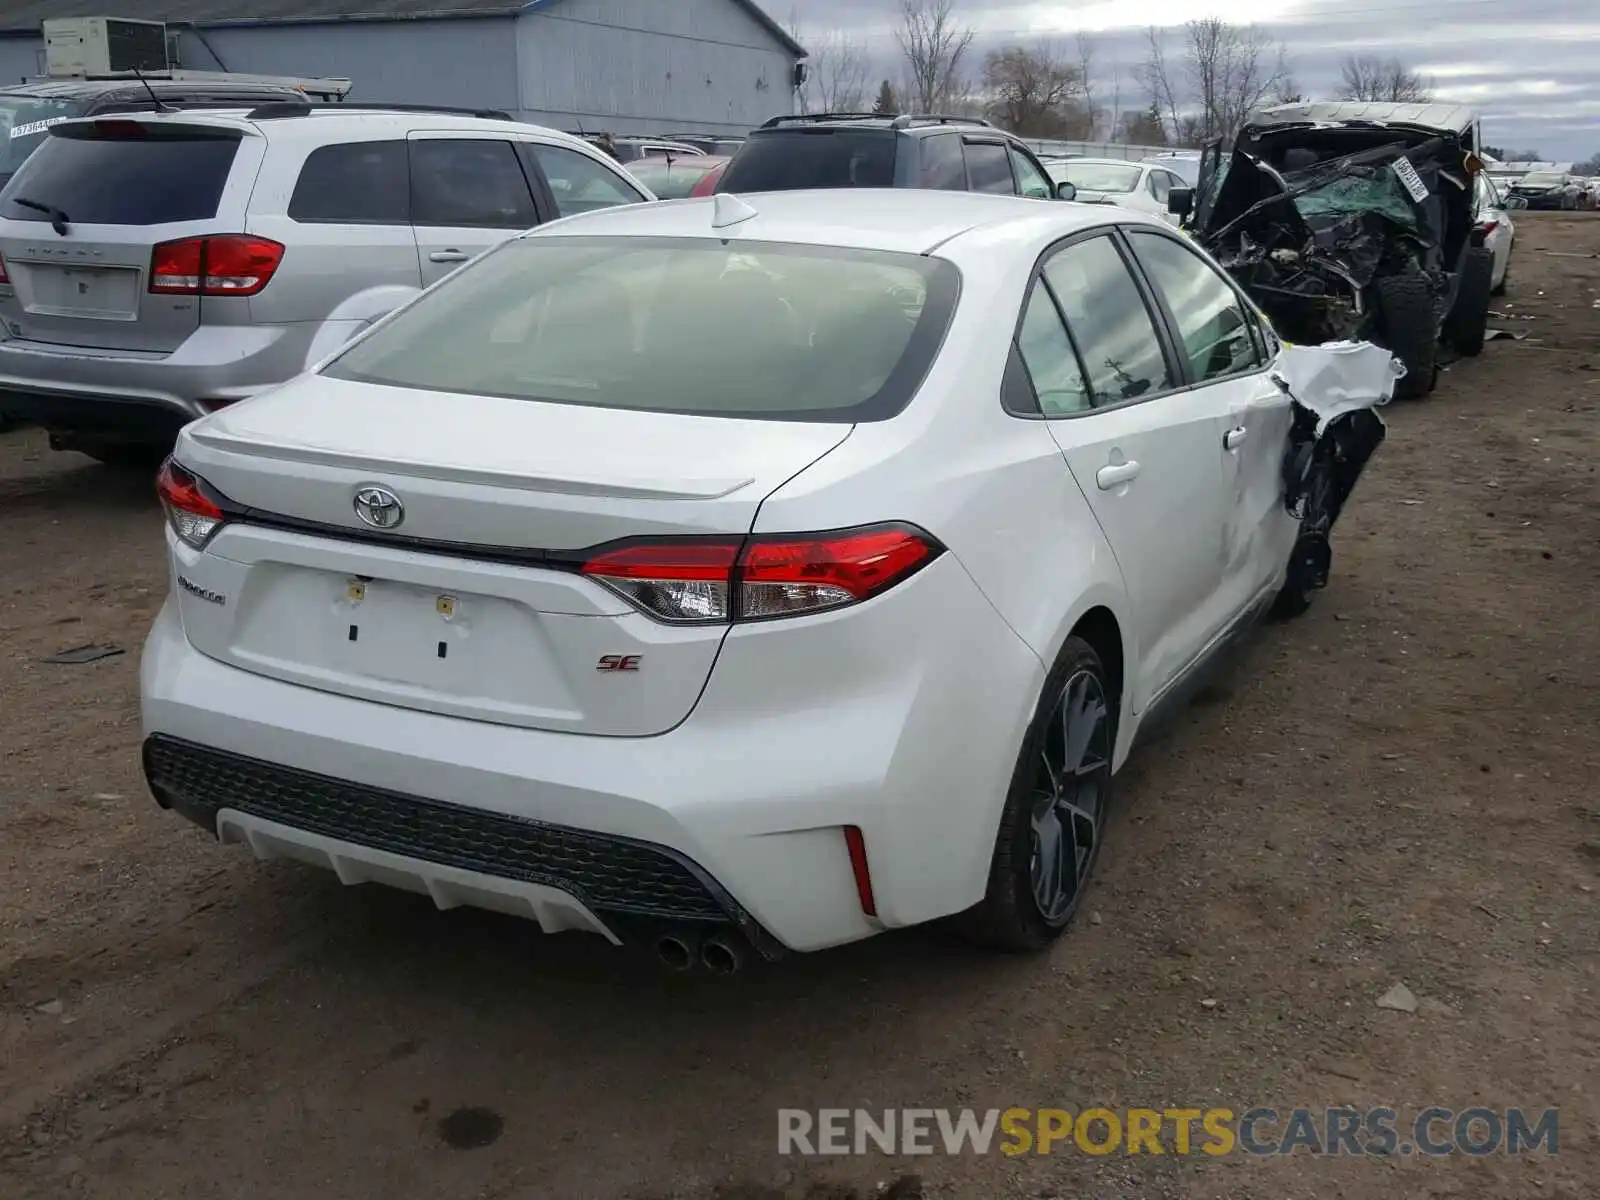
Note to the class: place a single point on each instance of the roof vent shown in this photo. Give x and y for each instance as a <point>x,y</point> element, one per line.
<point>729,211</point>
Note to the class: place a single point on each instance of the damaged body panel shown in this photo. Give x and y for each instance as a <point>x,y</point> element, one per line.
<point>1352,227</point>
<point>1335,389</point>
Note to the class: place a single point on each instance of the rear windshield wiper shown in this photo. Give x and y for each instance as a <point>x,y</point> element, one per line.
<point>58,217</point>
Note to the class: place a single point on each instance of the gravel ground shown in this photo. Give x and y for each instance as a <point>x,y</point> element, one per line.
<point>1398,788</point>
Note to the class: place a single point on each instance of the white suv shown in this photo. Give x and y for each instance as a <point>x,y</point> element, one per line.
<point>525,600</point>
<point>155,267</point>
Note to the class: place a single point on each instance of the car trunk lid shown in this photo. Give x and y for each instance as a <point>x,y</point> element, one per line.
<point>80,224</point>
<point>472,603</point>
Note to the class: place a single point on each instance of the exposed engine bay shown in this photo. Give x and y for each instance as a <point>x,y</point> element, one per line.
<point>1307,216</point>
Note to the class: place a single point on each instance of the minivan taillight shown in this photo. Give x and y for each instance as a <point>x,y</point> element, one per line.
<point>194,516</point>
<point>717,580</point>
<point>229,264</point>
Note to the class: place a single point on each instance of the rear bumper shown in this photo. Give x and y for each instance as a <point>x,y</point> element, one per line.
<point>735,817</point>
<point>146,396</point>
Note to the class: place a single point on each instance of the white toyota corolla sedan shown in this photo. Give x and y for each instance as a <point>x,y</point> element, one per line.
<point>730,576</point>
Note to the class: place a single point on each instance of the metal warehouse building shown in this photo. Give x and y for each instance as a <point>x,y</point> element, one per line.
<point>647,66</point>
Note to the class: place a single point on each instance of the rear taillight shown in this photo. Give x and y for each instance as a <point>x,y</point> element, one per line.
<point>230,264</point>
<point>1488,227</point>
<point>5,276</point>
<point>191,512</point>
<point>721,580</point>
<point>708,182</point>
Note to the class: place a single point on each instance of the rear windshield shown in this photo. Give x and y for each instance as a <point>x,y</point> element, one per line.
<point>24,123</point>
<point>1098,177</point>
<point>119,172</point>
<point>672,179</point>
<point>812,158</point>
<point>754,330</point>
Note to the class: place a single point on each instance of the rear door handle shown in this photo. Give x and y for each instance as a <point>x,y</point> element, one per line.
<point>1112,476</point>
<point>444,256</point>
<point>1234,437</point>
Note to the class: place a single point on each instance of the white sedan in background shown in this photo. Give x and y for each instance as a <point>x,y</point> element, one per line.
<point>1142,187</point>
<point>732,656</point>
<point>1494,222</point>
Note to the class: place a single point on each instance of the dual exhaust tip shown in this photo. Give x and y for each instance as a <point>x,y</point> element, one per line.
<point>716,954</point>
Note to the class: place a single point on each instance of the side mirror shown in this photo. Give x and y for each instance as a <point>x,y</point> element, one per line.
<point>1180,201</point>
<point>1066,190</point>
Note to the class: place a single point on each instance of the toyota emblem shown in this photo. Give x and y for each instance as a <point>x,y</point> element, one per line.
<point>379,507</point>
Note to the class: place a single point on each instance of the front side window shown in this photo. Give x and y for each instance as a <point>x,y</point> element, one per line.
<point>1211,318</point>
<point>1048,354</point>
<point>989,168</point>
<point>1113,328</point>
<point>356,183</point>
<point>1031,181</point>
<point>687,325</point>
<point>469,183</point>
<point>580,184</point>
<point>943,168</point>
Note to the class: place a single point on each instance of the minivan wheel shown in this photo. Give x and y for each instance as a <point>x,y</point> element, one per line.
<point>1053,824</point>
<point>1406,316</point>
<point>1468,321</point>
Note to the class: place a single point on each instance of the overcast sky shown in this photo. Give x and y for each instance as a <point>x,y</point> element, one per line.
<point>1531,67</point>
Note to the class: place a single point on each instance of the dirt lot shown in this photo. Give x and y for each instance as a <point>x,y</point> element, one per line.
<point>1400,787</point>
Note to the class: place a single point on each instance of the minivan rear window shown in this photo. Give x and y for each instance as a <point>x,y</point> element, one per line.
<point>757,330</point>
<point>120,172</point>
<point>813,158</point>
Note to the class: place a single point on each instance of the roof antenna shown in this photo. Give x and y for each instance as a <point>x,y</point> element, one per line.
<point>155,99</point>
<point>728,210</point>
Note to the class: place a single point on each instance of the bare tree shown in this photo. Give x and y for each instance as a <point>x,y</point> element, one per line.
<point>935,49</point>
<point>1157,78</point>
<point>1369,77</point>
<point>837,68</point>
<point>1086,82</point>
<point>1232,69</point>
<point>1033,92</point>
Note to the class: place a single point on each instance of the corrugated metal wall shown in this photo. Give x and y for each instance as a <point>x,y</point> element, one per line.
<point>650,66</point>
<point>647,66</point>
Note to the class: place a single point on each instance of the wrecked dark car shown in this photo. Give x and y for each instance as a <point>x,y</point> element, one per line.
<point>1353,221</point>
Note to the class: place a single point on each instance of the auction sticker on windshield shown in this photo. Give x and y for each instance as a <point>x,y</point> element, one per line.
<point>29,128</point>
<point>1413,182</point>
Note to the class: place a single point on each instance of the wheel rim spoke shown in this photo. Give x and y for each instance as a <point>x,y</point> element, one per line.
<point>1074,769</point>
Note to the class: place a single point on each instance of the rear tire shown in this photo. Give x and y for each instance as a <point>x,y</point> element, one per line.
<point>1469,319</point>
<point>1406,321</point>
<point>1055,814</point>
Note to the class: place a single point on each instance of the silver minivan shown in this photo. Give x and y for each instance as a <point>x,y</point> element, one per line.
<point>157,266</point>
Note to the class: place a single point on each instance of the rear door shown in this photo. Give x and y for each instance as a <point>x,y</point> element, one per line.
<point>468,192</point>
<point>1142,447</point>
<point>988,166</point>
<point>1226,364</point>
<point>81,221</point>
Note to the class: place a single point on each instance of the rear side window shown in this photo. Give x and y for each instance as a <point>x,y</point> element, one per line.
<point>1216,333</point>
<point>358,183</point>
<point>1109,321</point>
<point>943,168</point>
<point>801,333</point>
<point>469,182</point>
<point>139,175</point>
<point>580,185</point>
<point>1051,361</point>
<point>989,168</point>
<point>813,158</point>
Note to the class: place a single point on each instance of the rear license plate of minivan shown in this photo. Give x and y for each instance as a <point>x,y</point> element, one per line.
<point>106,293</point>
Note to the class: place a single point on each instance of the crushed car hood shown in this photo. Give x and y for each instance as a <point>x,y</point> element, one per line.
<point>1307,216</point>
